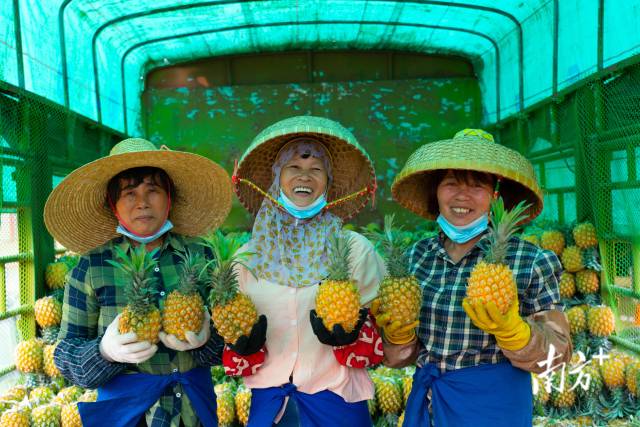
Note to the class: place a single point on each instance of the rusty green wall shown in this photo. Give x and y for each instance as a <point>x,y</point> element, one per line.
<point>389,118</point>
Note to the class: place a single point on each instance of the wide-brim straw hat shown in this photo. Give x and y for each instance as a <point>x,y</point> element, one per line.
<point>76,214</point>
<point>354,180</point>
<point>469,149</point>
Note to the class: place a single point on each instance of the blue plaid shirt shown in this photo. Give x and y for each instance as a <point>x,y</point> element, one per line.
<point>448,338</point>
<point>93,297</point>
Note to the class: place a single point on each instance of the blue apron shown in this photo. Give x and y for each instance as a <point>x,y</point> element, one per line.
<point>124,400</point>
<point>321,409</point>
<point>491,395</point>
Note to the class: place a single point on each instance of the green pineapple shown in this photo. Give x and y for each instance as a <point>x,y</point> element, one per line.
<point>140,315</point>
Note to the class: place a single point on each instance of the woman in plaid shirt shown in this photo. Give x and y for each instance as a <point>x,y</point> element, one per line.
<point>475,362</point>
<point>136,195</point>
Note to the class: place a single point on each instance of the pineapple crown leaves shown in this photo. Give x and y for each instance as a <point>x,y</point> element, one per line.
<point>138,265</point>
<point>394,247</point>
<point>339,253</point>
<point>223,277</point>
<point>504,223</point>
<point>192,267</point>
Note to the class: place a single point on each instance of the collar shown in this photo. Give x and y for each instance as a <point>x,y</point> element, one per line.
<point>171,241</point>
<point>438,245</point>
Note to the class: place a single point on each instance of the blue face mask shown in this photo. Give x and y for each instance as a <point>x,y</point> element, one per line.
<point>145,239</point>
<point>305,212</point>
<point>466,232</point>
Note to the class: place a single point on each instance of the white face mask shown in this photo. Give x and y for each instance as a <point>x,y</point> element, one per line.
<point>145,239</point>
<point>463,233</point>
<point>304,212</point>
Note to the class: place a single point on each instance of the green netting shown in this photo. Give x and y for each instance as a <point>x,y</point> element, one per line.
<point>93,55</point>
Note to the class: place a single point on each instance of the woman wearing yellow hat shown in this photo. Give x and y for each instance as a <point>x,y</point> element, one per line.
<point>302,176</point>
<point>137,195</point>
<point>475,360</point>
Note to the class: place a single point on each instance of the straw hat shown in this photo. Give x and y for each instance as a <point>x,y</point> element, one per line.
<point>75,212</point>
<point>470,149</point>
<point>354,180</point>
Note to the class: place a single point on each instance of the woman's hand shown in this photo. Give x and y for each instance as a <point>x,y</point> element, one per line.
<point>393,331</point>
<point>193,340</point>
<point>338,337</point>
<point>246,345</point>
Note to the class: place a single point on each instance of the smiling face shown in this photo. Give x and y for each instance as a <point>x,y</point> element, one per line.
<point>143,207</point>
<point>303,179</point>
<point>463,198</point>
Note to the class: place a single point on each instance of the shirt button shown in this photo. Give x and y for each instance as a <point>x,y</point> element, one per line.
<point>174,370</point>
<point>178,395</point>
<point>162,293</point>
<point>156,269</point>
<point>294,322</point>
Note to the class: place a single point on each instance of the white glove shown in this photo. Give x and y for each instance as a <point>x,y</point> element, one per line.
<point>124,348</point>
<point>193,340</point>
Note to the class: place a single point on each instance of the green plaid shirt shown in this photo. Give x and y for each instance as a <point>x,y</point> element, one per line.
<point>448,338</point>
<point>93,297</point>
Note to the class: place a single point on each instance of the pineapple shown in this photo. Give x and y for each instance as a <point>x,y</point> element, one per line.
<point>55,274</point>
<point>567,285</point>
<point>140,315</point>
<point>540,392</point>
<point>612,371</point>
<point>531,238</point>
<point>388,395</point>
<point>595,382</point>
<point>46,416</point>
<point>17,417</point>
<point>587,282</point>
<point>68,395</point>
<point>29,356</point>
<point>553,240</point>
<point>243,404</point>
<point>48,312</point>
<point>232,312</point>
<point>601,321</point>
<point>41,395</point>
<point>225,404</point>
<point>407,384</point>
<point>572,259</point>
<point>49,367</point>
<point>17,392</point>
<point>632,376</point>
<point>70,416</point>
<point>585,235</point>
<point>565,398</point>
<point>184,309</point>
<point>400,293</point>
<point>491,279</point>
<point>338,297</point>
<point>636,319</point>
<point>577,320</point>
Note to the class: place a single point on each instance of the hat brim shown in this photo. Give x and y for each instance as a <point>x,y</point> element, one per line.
<point>352,168</point>
<point>76,216</point>
<point>414,188</point>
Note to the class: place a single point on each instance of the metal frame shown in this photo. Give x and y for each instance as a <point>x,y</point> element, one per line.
<point>17,28</point>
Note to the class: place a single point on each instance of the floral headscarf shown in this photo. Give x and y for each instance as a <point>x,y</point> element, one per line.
<point>288,251</point>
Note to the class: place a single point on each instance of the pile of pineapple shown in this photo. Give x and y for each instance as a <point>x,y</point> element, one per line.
<point>612,395</point>
<point>233,399</point>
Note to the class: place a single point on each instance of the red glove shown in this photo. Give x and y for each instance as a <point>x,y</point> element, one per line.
<point>366,351</point>
<point>236,365</point>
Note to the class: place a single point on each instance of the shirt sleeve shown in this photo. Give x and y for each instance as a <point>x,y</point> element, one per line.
<point>77,355</point>
<point>367,268</point>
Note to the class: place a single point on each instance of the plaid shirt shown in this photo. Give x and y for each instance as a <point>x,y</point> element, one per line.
<point>94,296</point>
<point>448,338</point>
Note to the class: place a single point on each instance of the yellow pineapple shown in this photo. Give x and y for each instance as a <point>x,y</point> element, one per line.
<point>552,240</point>
<point>225,404</point>
<point>407,384</point>
<point>531,238</point>
<point>15,417</point>
<point>577,320</point>
<point>55,274</point>
<point>632,376</point>
<point>601,321</point>
<point>572,259</point>
<point>48,312</point>
<point>540,392</point>
<point>243,404</point>
<point>567,285</point>
<point>585,235</point>
<point>636,319</point>
<point>232,312</point>
<point>400,293</point>
<point>491,279</point>
<point>140,315</point>
<point>41,394</point>
<point>583,421</point>
<point>46,416</point>
<point>612,371</point>
<point>564,398</point>
<point>338,297</point>
<point>29,356</point>
<point>17,392</point>
<point>587,282</point>
<point>70,416</point>
<point>68,394</point>
<point>388,395</point>
<point>184,308</point>
<point>49,367</point>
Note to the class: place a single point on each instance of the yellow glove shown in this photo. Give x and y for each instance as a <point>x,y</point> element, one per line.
<point>511,332</point>
<point>393,331</point>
